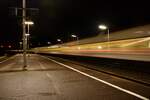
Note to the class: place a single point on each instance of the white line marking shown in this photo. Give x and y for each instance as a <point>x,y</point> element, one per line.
<point>102,81</point>
<point>8,59</point>
<point>48,75</point>
<point>55,85</point>
<point>42,66</point>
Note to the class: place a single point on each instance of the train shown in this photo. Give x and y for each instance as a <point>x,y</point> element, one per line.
<point>133,41</point>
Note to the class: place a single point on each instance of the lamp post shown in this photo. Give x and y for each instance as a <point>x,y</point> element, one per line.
<point>20,45</point>
<point>59,40</point>
<point>27,40</point>
<point>28,23</point>
<point>104,27</point>
<point>75,36</point>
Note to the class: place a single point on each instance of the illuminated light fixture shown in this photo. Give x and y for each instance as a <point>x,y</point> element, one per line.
<point>27,34</point>
<point>103,27</point>
<point>29,22</point>
<point>73,36</point>
<point>79,48</point>
<point>58,40</point>
<point>48,42</point>
<point>20,42</point>
<point>9,46</point>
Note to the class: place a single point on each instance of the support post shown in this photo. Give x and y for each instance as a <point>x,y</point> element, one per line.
<point>24,32</point>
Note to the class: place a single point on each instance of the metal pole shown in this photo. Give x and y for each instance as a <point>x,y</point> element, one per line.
<point>24,32</point>
<point>108,37</point>
<point>28,36</point>
<point>28,28</point>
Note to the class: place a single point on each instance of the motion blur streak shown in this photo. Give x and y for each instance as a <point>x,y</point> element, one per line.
<point>142,40</point>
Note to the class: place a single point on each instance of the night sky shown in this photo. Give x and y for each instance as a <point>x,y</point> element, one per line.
<point>60,18</point>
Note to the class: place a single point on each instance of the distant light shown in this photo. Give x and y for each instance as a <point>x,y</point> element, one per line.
<point>103,27</point>
<point>73,36</point>
<point>48,42</point>
<point>58,40</point>
<point>2,46</point>
<point>99,47</point>
<point>20,42</point>
<point>79,48</point>
<point>9,46</point>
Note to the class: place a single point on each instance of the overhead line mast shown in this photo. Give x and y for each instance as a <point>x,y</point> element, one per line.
<point>24,32</point>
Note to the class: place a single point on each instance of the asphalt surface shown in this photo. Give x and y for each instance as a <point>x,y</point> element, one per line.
<point>137,71</point>
<point>47,79</point>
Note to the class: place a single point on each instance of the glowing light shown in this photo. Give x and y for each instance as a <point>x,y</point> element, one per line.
<point>48,42</point>
<point>99,47</point>
<point>27,34</point>
<point>73,36</point>
<point>58,40</point>
<point>20,43</point>
<point>79,48</point>
<point>9,46</point>
<point>29,23</point>
<point>103,27</point>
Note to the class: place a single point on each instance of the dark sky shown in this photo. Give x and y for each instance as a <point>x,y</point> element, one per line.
<point>60,18</point>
